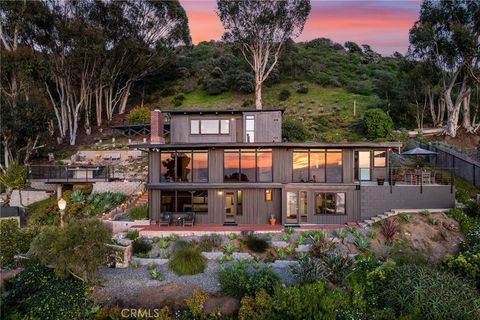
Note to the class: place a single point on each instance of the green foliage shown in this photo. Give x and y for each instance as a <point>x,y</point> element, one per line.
<point>187,261</point>
<point>320,244</point>
<point>371,234</point>
<point>237,280</point>
<point>308,301</point>
<point>302,88</point>
<point>289,230</point>
<point>78,248</point>
<point>472,209</point>
<point>284,95</point>
<point>13,241</point>
<point>178,100</point>
<point>14,177</point>
<point>471,243</point>
<point>139,212</point>
<point>462,197</point>
<point>38,294</point>
<point>406,217</point>
<point>255,243</point>
<point>141,246</point>
<point>427,293</point>
<point>377,123</point>
<point>425,213</point>
<point>173,237</point>
<point>340,233</point>
<point>467,223</point>
<point>139,115</point>
<point>286,237</point>
<point>209,242</point>
<point>466,265</point>
<point>309,270</point>
<point>232,236</point>
<point>294,130</point>
<point>228,248</point>
<point>362,243</point>
<point>132,234</point>
<point>156,274</point>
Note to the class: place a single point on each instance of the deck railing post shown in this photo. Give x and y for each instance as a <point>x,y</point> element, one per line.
<point>452,180</point>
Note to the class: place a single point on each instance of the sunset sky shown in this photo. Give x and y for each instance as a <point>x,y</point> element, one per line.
<point>382,24</point>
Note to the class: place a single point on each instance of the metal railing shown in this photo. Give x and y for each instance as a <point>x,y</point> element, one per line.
<point>72,173</point>
<point>421,176</point>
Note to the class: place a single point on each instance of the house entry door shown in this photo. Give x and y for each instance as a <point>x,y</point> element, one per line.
<point>230,206</point>
<point>292,207</point>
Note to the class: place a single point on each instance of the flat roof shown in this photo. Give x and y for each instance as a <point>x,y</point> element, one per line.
<point>235,145</point>
<point>218,111</point>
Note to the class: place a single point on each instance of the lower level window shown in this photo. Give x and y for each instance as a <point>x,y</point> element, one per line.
<point>184,201</point>
<point>329,203</point>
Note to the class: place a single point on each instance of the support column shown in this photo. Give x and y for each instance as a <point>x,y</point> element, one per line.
<point>59,190</point>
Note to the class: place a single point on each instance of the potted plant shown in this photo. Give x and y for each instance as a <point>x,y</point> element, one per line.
<point>273,220</point>
<point>381,181</point>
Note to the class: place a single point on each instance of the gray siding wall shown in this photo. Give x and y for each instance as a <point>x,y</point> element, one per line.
<point>378,199</point>
<point>268,125</point>
<point>154,167</point>
<point>352,203</point>
<point>282,165</point>
<point>215,166</point>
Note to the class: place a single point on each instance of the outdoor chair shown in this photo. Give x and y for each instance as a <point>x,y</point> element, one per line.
<point>165,219</point>
<point>189,220</point>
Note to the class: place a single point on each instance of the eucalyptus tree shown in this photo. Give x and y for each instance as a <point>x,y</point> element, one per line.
<point>448,34</point>
<point>261,28</point>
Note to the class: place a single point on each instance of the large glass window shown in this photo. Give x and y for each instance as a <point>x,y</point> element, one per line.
<point>167,167</point>
<point>300,166</point>
<point>184,201</point>
<point>329,203</point>
<point>317,165</point>
<point>184,166</point>
<point>334,166</point>
<point>264,166</point>
<point>362,165</point>
<point>249,128</point>
<point>380,158</point>
<point>209,126</point>
<point>200,166</point>
<point>231,165</point>
<point>248,165</point>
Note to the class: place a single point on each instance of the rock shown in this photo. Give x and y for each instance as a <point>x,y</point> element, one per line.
<point>282,244</point>
<point>212,255</point>
<point>284,263</point>
<point>302,248</point>
<point>145,261</point>
<point>241,255</point>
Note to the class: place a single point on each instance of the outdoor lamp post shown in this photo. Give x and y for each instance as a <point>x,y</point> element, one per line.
<point>62,204</point>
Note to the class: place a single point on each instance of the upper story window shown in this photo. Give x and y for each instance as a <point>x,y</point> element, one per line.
<point>249,128</point>
<point>317,165</point>
<point>209,126</point>
<point>379,159</point>
<point>363,165</point>
<point>184,166</point>
<point>247,165</point>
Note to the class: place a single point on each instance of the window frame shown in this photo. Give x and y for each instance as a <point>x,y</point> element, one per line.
<point>385,157</point>
<point>247,131</point>
<point>356,160</point>
<point>190,153</point>
<point>220,126</point>
<point>248,150</point>
<point>325,152</point>
<point>324,197</point>
<point>175,200</point>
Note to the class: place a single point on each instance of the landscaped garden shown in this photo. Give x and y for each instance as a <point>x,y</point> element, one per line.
<point>415,265</point>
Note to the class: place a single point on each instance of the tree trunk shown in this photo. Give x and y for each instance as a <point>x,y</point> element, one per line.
<point>466,122</point>
<point>258,95</point>
<point>431,102</point>
<point>98,105</point>
<point>124,99</point>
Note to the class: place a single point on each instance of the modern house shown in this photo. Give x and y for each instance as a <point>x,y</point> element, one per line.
<point>233,167</point>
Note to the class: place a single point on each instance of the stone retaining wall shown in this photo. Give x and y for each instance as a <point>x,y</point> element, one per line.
<point>27,197</point>
<point>126,187</point>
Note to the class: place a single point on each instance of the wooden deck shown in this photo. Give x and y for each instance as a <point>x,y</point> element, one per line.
<point>159,231</point>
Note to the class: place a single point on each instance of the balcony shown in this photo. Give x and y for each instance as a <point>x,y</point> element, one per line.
<point>69,174</point>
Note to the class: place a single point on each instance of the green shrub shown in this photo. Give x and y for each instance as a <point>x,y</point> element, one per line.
<point>284,95</point>
<point>467,223</point>
<point>229,248</point>
<point>141,246</point>
<point>78,248</point>
<point>38,294</point>
<point>429,294</point>
<point>237,280</point>
<point>320,244</point>
<point>377,123</point>
<point>309,270</point>
<point>255,243</point>
<point>178,100</point>
<point>13,241</point>
<point>132,234</point>
<point>156,274</point>
<point>472,209</point>
<point>209,242</point>
<point>303,89</point>
<point>466,265</point>
<point>15,177</point>
<point>471,243</point>
<point>139,115</point>
<point>187,261</point>
<point>139,212</point>
<point>462,197</point>
<point>294,130</point>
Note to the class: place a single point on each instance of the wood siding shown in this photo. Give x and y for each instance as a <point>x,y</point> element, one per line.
<point>268,125</point>
<point>215,166</point>
<point>180,129</point>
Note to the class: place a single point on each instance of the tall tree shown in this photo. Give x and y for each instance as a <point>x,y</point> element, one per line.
<point>448,34</point>
<point>261,28</point>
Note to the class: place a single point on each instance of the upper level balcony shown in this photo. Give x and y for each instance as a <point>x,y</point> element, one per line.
<point>69,173</point>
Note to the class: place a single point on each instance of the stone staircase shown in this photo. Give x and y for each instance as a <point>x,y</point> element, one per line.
<point>394,212</point>
<point>143,199</point>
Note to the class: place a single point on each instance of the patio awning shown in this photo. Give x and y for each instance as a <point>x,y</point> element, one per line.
<point>418,152</point>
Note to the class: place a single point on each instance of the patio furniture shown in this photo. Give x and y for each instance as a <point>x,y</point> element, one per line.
<point>189,220</point>
<point>165,219</point>
<point>426,177</point>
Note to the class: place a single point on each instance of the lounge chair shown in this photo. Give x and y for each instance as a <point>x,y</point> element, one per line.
<point>165,219</point>
<point>189,220</point>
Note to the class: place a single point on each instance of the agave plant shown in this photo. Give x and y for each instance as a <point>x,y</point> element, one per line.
<point>163,244</point>
<point>229,248</point>
<point>320,245</point>
<point>286,237</point>
<point>340,233</point>
<point>78,196</point>
<point>156,275</point>
<point>362,243</point>
<point>389,229</point>
<point>337,267</point>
